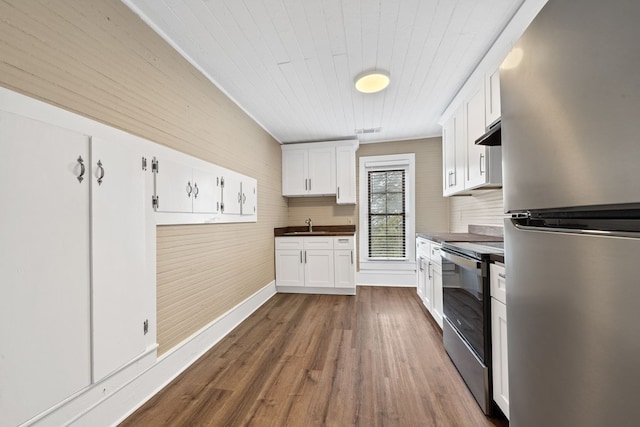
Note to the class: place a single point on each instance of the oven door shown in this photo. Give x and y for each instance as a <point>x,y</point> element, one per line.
<point>464,294</point>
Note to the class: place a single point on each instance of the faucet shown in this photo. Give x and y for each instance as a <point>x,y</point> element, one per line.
<point>310,224</point>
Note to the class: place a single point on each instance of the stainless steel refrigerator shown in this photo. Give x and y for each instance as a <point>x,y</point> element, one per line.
<point>571,160</point>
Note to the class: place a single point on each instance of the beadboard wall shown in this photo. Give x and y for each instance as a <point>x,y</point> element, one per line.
<point>432,210</point>
<point>483,208</point>
<point>98,59</point>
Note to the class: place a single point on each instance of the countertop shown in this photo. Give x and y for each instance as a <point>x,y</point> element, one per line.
<point>459,237</point>
<point>318,230</point>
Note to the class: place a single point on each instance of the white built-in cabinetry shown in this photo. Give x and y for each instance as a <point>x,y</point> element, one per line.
<point>189,190</point>
<point>429,277</point>
<point>315,264</point>
<point>467,166</point>
<point>499,337</point>
<point>76,302</point>
<point>320,169</point>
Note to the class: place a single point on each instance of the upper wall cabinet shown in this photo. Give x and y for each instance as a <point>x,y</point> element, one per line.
<point>454,154</point>
<point>310,170</point>
<point>192,191</point>
<point>492,97</point>
<point>467,166</point>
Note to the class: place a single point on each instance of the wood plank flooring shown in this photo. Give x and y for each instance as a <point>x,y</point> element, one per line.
<point>318,360</point>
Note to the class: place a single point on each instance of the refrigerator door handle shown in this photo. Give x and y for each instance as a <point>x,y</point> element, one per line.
<point>603,233</point>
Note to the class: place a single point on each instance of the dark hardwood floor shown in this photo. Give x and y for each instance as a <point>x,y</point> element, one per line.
<point>314,360</point>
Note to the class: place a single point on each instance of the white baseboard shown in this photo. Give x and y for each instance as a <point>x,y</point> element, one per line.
<point>325,291</point>
<point>401,278</point>
<point>98,406</point>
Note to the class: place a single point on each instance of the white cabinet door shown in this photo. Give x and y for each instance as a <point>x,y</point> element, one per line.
<point>118,253</point>
<point>344,268</point>
<point>295,176</point>
<point>318,268</point>
<point>437,308</point>
<point>322,171</point>
<point>206,191</point>
<point>421,273</point>
<point>476,154</point>
<point>346,175</point>
<point>492,97</point>
<point>249,196</point>
<point>231,193</point>
<point>44,266</point>
<point>428,286</point>
<point>454,154</point>
<point>289,267</point>
<point>500,355</point>
<point>174,186</point>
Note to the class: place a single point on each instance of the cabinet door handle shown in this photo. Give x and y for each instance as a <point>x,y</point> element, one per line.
<point>239,197</point>
<point>309,184</point>
<point>502,275</point>
<point>429,270</point>
<point>195,190</point>
<point>305,257</point>
<point>81,163</point>
<point>300,257</point>
<point>481,162</point>
<point>305,184</point>
<point>244,198</point>
<point>351,257</point>
<point>101,169</point>
<point>455,180</point>
<point>338,192</point>
<point>189,188</point>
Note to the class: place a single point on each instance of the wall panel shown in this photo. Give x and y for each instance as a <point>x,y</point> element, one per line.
<point>98,59</point>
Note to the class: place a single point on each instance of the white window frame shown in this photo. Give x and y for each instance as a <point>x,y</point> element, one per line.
<point>394,161</point>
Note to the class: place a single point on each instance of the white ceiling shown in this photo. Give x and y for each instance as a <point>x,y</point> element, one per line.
<point>291,64</point>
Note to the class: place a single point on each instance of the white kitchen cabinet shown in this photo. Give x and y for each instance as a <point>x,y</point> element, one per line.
<point>315,264</point>
<point>344,262</point>
<point>430,277</point>
<point>231,193</point>
<point>45,266</point>
<point>467,166</point>
<point>118,230</point>
<point>346,174</point>
<point>454,154</point>
<point>290,261</point>
<point>308,169</point>
<point>499,338</point>
<point>181,188</point>
<point>493,110</point>
<point>249,196</point>
<point>74,263</point>
<point>436,283</point>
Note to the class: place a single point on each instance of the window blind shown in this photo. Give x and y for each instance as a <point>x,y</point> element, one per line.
<point>387,214</point>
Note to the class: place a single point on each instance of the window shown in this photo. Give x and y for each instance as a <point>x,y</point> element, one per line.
<point>387,224</point>
<point>387,219</point>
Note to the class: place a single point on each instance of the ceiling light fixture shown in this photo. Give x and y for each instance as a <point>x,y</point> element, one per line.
<point>372,81</point>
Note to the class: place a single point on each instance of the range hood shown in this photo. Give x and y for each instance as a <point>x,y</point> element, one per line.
<point>493,136</point>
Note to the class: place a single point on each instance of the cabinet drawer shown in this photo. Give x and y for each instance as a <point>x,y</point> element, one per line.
<point>343,242</point>
<point>318,242</point>
<point>423,247</point>
<point>290,243</point>
<point>434,253</point>
<point>498,281</point>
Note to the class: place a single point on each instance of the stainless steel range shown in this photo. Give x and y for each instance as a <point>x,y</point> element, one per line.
<point>466,327</point>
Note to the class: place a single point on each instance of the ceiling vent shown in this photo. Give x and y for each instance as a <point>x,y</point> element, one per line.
<point>367,130</point>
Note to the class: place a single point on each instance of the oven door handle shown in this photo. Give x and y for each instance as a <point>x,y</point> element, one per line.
<point>470,264</point>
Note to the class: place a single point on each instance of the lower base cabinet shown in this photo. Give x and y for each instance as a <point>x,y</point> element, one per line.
<point>315,264</point>
<point>429,277</point>
<point>499,338</point>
